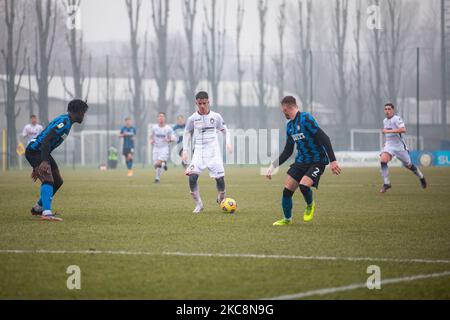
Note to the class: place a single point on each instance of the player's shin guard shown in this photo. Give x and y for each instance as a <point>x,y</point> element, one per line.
<point>307,194</point>
<point>220,184</point>
<point>286,203</point>
<point>129,164</point>
<point>385,172</point>
<point>56,186</point>
<point>158,173</point>
<point>47,195</point>
<point>416,171</point>
<point>193,186</point>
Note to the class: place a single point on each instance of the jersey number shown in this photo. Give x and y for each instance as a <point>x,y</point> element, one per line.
<point>316,172</point>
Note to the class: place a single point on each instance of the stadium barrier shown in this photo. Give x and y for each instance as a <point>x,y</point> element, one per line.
<point>362,159</point>
<point>438,158</point>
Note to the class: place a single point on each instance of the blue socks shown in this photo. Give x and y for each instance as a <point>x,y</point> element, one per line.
<point>130,164</point>
<point>307,194</point>
<point>46,196</point>
<point>286,203</point>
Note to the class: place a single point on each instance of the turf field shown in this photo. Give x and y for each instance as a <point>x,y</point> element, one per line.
<point>133,239</point>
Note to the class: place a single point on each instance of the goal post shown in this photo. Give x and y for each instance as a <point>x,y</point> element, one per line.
<point>94,150</point>
<point>374,140</point>
<point>376,133</point>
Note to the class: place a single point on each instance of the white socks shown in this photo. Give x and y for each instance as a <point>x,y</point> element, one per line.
<point>158,173</point>
<point>385,173</point>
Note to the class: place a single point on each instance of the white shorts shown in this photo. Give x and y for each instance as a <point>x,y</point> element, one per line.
<point>201,160</point>
<point>399,152</point>
<point>160,154</point>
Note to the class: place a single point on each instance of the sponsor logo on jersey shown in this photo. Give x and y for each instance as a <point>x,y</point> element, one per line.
<point>64,136</point>
<point>59,126</point>
<point>298,136</point>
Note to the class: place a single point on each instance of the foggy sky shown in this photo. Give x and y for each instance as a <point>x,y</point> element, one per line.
<point>107,20</point>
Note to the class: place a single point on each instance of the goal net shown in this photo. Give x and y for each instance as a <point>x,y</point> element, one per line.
<point>94,148</point>
<point>373,140</point>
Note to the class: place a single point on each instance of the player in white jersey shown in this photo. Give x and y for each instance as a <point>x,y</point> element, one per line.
<point>394,146</point>
<point>31,130</point>
<point>161,137</point>
<point>202,127</point>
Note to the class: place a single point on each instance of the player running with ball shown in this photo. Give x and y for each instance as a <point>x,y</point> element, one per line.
<point>202,126</point>
<point>394,127</point>
<point>314,153</point>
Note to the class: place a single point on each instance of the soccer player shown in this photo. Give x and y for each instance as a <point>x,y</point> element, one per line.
<point>162,135</point>
<point>38,154</point>
<point>314,152</point>
<point>31,130</point>
<point>179,132</point>
<point>128,133</point>
<point>202,126</point>
<point>394,145</point>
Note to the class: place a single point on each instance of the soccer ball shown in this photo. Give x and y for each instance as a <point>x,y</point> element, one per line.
<point>228,205</point>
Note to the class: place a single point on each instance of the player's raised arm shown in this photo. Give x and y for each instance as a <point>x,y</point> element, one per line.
<point>171,137</point>
<point>44,167</point>
<point>188,130</point>
<point>401,128</point>
<point>222,127</point>
<point>152,136</point>
<point>322,139</point>
<point>285,154</point>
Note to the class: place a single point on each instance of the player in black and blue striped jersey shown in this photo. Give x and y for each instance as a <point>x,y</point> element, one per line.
<point>38,154</point>
<point>179,132</point>
<point>314,152</point>
<point>128,133</point>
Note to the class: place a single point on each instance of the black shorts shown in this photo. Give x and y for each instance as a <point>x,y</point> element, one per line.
<point>127,151</point>
<point>35,159</point>
<point>312,171</point>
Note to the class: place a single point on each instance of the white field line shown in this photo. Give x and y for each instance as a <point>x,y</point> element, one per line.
<point>321,292</point>
<point>225,255</point>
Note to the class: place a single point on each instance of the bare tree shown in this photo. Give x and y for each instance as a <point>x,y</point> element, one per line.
<point>444,67</point>
<point>161,66</point>
<point>395,40</point>
<point>301,78</point>
<point>341,88</point>
<point>46,28</point>
<point>358,64</point>
<point>12,56</point>
<point>213,42</point>
<point>193,70</point>
<point>279,62</point>
<point>260,86</point>
<point>240,72</point>
<point>375,72</point>
<point>138,70</point>
<point>74,41</point>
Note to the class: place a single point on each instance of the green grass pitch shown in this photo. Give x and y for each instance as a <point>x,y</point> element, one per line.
<point>141,226</point>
